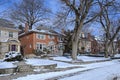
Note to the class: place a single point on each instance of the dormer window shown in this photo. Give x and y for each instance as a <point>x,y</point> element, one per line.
<point>11,34</point>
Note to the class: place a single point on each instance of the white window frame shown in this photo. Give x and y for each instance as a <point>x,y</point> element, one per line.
<point>11,34</point>
<point>59,38</point>
<point>41,36</point>
<point>40,46</point>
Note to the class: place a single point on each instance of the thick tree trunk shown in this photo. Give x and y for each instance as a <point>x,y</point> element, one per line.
<point>74,49</point>
<point>113,48</point>
<point>106,50</point>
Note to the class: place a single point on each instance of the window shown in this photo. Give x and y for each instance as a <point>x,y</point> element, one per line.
<point>30,46</point>
<point>51,37</point>
<point>40,46</point>
<point>41,36</point>
<point>11,34</point>
<point>60,39</point>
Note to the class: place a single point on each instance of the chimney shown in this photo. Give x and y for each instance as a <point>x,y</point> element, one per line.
<point>89,36</point>
<point>26,27</point>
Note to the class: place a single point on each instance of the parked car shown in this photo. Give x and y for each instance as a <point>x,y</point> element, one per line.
<point>13,56</point>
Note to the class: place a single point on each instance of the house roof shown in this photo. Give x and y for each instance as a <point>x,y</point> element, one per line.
<point>8,25</point>
<point>40,30</point>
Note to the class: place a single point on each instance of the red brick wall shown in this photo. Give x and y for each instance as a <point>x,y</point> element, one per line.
<point>31,39</point>
<point>26,41</point>
<point>46,40</point>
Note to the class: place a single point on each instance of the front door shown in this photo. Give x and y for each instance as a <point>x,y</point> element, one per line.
<point>13,47</point>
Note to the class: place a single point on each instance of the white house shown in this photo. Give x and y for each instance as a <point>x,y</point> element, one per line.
<point>8,37</point>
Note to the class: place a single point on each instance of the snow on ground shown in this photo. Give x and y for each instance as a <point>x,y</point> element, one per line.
<point>88,58</point>
<point>103,73</point>
<point>39,62</point>
<point>100,70</point>
<point>117,55</point>
<point>62,58</point>
<point>1,60</point>
<point>4,65</point>
<point>4,75</point>
<point>83,58</point>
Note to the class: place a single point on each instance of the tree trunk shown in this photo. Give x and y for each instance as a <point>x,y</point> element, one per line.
<point>106,50</point>
<point>113,48</point>
<point>74,49</point>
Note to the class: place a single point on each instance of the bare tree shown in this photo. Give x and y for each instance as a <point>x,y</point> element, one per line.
<point>67,41</point>
<point>111,30</point>
<point>2,11</point>
<point>29,11</point>
<point>116,33</point>
<point>79,12</point>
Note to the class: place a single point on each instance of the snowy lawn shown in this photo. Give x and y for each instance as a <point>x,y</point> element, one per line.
<point>117,55</point>
<point>62,58</point>
<point>39,62</point>
<point>89,58</point>
<point>83,58</point>
<point>99,72</point>
<point>4,65</point>
<point>1,60</point>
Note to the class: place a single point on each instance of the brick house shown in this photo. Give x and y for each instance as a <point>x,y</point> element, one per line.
<point>8,37</point>
<point>88,43</point>
<point>94,44</point>
<point>38,39</point>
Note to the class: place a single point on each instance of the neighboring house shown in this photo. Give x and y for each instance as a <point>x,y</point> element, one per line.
<point>84,43</point>
<point>88,43</point>
<point>101,45</point>
<point>39,39</point>
<point>8,37</point>
<point>94,44</point>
